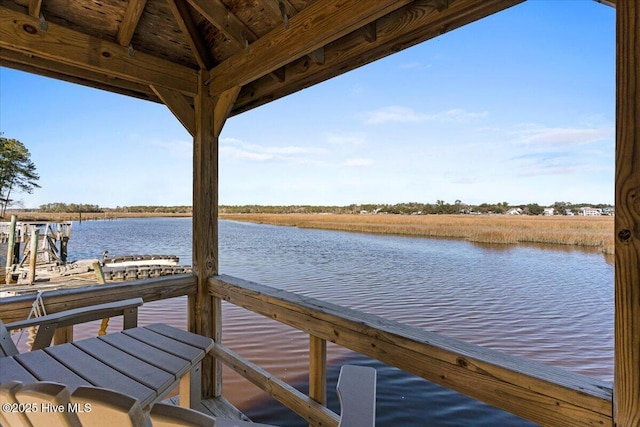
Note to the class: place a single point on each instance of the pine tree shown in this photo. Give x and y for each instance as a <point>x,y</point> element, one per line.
<point>17,171</point>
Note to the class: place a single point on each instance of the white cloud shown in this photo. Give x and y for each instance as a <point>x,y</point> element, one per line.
<point>565,136</point>
<point>239,149</point>
<point>358,162</point>
<point>401,114</point>
<point>346,138</point>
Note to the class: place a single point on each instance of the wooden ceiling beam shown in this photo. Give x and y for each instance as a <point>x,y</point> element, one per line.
<point>179,106</point>
<point>34,8</point>
<point>320,23</point>
<point>130,22</point>
<point>226,22</point>
<point>69,73</point>
<point>405,27</point>
<point>27,62</point>
<point>21,32</point>
<point>185,21</point>
<point>280,6</point>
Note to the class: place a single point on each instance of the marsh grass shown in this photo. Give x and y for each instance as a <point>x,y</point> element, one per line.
<point>592,232</point>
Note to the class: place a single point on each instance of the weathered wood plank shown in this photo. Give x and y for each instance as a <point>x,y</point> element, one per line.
<point>198,46</point>
<point>179,106</point>
<point>130,21</point>
<point>18,307</point>
<point>206,310</point>
<point>407,26</point>
<point>318,24</point>
<point>303,405</point>
<point>21,32</point>
<point>226,22</point>
<point>223,105</point>
<point>318,369</point>
<point>34,8</point>
<point>73,74</point>
<point>627,222</point>
<point>543,394</point>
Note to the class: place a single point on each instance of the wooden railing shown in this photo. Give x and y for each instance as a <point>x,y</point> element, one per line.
<point>540,393</point>
<point>543,394</point>
<point>18,307</point>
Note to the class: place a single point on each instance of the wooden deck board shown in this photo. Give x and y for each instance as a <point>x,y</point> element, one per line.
<point>218,407</point>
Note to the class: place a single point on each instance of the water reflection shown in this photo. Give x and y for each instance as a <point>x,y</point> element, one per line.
<point>552,305</point>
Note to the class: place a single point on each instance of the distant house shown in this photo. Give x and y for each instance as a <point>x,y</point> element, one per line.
<point>568,212</point>
<point>514,211</point>
<point>548,212</point>
<point>588,211</point>
<point>610,210</point>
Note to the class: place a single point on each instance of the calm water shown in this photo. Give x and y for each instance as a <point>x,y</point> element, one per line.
<point>552,306</point>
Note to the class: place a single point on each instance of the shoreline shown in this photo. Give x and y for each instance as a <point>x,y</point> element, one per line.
<point>588,232</point>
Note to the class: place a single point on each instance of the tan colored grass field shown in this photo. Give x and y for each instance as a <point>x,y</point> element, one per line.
<point>593,232</point>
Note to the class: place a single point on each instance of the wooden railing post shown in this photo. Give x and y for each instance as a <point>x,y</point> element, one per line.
<point>33,254</point>
<point>626,394</point>
<point>318,369</point>
<point>10,249</point>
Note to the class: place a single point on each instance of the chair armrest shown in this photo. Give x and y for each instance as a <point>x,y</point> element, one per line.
<point>48,323</point>
<point>357,394</point>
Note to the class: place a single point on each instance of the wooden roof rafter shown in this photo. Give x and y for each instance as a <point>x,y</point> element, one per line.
<point>233,28</point>
<point>320,23</point>
<point>186,23</point>
<point>411,24</point>
<point>21,33</point>
<point>130,21</point>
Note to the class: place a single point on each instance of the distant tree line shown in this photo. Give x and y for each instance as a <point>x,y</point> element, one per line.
<point>69,207</point>
<point>415,208</point>
<point>410,208</point>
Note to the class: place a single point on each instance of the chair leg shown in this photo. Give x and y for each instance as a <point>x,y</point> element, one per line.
<point>191,387</point>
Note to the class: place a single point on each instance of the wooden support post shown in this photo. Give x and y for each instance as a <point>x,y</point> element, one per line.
<point>33,255</point>
<point>626,393</point>
<point>10,249</point>
<point>318,369</point>
<point>206,311</point>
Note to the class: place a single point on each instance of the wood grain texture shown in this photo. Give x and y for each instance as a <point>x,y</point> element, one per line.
<point>543,394</point>
<point>17,308</point>
<point>207,308</point>
<point>130,21</point>
<point>318,369</point>
<point>307,408</point>
<point>179,106</point>
<point>412,24</point>
<point>320,23</point>
<point>627,222</point>
<point>186,23</point>
<point>21,32</point>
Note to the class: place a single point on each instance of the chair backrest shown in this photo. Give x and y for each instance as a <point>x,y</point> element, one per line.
<point>102,407</point>
<point>7,347</point>
<point>8,396</point>
<point>357,393</point>
<point>47,404</point>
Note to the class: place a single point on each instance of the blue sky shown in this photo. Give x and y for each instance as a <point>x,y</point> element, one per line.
<point>518,108</point>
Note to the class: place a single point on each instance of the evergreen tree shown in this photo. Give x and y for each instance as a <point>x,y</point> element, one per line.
<point>17,171</point>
